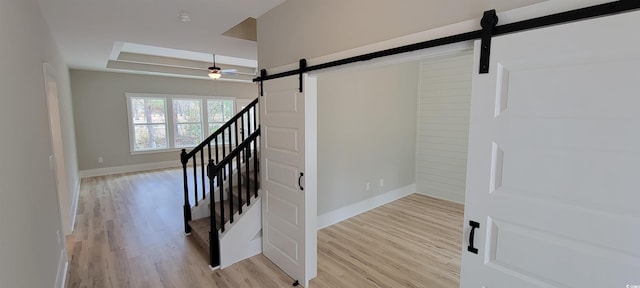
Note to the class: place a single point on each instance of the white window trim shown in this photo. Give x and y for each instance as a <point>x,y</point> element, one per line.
<point>169,121</point>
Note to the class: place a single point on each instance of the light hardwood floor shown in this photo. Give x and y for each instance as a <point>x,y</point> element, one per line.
<point>129,233</point>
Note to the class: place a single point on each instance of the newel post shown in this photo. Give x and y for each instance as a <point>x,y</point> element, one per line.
<point>184,158</point>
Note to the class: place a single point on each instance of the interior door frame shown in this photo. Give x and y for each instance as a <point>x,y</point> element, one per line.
<point>57,158</point>
<point>311,171</point>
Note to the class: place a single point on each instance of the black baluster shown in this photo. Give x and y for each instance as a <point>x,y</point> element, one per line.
<point>235,133</point>
<point>195,178</point>
<point>216,144</point>
<point>255,124</point>
<point>239,182</point>
<point>246,173</point>
<point>242,132</point>
<point>220,180</point>
<point>202,164</point>
<point>224,151</point>
<point>208,161</point>
<point>230,169</point>
<point>214,241</point>
<point>255,166</point>
<point>242,128</point>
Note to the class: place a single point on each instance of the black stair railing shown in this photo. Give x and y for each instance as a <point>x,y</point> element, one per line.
<point>236,140</point>
<point>233,172</point>
<point>214,148</point>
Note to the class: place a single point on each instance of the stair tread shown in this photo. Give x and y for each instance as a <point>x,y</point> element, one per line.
<point>200,228</point>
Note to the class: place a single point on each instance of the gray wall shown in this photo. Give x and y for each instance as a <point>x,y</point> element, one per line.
<point>30,246</point>
<point>101,112</point>
<point>307,29</point>
<point>366,131</point>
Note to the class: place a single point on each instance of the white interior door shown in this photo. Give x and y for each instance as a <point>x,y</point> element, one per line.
<point>289,228</point>
<point>554,159</point>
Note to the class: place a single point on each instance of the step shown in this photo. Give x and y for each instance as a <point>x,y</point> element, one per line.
<point>200,231</point>
<point>200,227</point>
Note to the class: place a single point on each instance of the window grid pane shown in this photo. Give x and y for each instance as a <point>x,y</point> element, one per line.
<point>148,115</point>
<point>150,137</point>
<point>188,135</point>
<point>187,111</point>
<point>148,110</point>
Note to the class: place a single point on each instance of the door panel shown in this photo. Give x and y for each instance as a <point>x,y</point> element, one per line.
<point>286,206</point>
<point>554,151</point>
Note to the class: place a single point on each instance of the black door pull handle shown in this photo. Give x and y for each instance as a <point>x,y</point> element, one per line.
<point>299,181</point>
<point>473,225</point>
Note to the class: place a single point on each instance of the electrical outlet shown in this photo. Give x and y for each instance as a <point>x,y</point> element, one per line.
<point>100,160</point>
<point>381,182</point>
<point>367,186</point>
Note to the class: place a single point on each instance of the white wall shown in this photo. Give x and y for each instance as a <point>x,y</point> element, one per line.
<point>443,126</point>
<point>31,243</point>
<point>366,132</point>
<point>100,111</point>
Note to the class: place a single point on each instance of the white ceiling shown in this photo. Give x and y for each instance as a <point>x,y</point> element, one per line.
<point>90,33</point>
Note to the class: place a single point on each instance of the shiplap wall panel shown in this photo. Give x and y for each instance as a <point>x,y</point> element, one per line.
<point>443,126</point>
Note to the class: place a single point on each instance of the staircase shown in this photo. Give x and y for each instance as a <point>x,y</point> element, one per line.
<point>222,205</point>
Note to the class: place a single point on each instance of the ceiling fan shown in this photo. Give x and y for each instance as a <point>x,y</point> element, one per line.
<point>215,72</point>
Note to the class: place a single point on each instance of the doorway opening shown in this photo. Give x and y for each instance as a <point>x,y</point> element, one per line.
<point>380,124</point>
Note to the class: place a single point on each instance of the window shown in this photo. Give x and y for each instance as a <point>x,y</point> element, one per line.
<point>163,122</point>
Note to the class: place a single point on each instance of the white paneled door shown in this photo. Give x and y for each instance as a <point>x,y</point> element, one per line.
<point>554,159</point>
<point>289,229</point>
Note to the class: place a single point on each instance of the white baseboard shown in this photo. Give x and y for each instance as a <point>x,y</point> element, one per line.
<point>128,168</point>
<point>347,212</point>
<point>63,266</point>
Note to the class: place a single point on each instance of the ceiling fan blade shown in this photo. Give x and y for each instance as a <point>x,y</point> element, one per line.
<point>228,71</point>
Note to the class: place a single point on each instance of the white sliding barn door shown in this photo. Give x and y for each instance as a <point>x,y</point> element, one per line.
<point>289,213</point>
<point>554,159</point>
